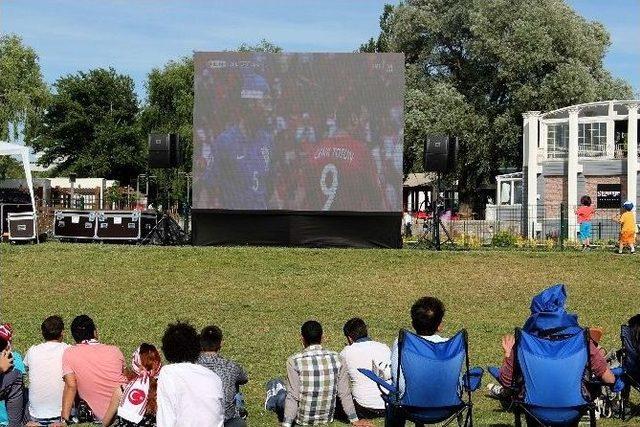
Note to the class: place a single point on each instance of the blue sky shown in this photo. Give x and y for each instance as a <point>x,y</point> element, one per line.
<point>136,35</point>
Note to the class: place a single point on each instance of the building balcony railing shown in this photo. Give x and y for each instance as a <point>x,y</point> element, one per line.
<point>619,153</point>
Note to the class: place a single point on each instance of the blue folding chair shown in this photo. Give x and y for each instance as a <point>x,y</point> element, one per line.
<point>436,378</point>
<point>548,379</point>
<point>631,368</point>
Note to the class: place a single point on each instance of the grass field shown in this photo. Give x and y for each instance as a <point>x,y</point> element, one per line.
<point>260,296</point>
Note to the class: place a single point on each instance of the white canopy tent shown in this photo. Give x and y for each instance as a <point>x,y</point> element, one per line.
<point>7,149</point>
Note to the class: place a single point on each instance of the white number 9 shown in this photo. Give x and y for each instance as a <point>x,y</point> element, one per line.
<point>329,191</point>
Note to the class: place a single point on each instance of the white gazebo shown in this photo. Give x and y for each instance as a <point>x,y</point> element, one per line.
<point>7,149</point>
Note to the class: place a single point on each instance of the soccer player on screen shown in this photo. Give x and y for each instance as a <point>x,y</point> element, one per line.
<point>343,174</point>
<point>243,161</point>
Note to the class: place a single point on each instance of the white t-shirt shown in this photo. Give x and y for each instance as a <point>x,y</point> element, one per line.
<point>189,395</point>
<point>44,362</point>
<point>366,355</point>
<point>407,218</point>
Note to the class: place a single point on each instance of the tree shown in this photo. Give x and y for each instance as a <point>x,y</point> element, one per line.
<point>473,68</point>
<point>90,127</point>
<point>23,97</point>
<point>169,109</point>
<point>262,46</point>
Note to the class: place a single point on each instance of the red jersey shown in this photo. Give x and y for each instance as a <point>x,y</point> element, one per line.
<point>342,177</point>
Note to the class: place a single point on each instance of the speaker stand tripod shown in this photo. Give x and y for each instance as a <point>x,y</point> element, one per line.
<point>437,208</point>
<point>166,232</point>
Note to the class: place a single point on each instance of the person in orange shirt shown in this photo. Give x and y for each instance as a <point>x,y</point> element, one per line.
<point>585,213</point>
<point>627,228</point>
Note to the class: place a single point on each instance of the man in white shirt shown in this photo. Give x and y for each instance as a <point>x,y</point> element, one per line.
<point>189,395</point>
<point>44,364</point>
<point>426,318</point>
<point>364,353</point>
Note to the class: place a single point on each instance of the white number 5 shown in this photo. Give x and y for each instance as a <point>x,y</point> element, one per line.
<point>256,181</point>
<point>329,191</point>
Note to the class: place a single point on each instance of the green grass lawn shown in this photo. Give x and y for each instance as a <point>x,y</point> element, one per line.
<point>261,296</point>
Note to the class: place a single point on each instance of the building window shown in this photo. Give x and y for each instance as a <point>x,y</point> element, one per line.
<point>517,192</point>
<point>609,196</point>
<point>592,139</point>
<point>509,189</point>
<point>558,140</point>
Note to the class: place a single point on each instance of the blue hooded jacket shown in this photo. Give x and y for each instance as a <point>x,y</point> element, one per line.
<point>549,315</point>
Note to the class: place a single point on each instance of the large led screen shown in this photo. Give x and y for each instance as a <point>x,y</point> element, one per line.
<point>298,132</point>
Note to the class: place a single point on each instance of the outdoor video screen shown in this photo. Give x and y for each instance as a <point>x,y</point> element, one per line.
<point>298,132</point>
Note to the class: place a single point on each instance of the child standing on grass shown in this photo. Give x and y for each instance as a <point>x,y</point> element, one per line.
<point>585,213</point>
<point>627,228</point>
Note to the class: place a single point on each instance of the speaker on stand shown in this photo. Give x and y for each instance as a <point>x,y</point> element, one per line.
<point>165,152</point>
<point>440,152</point>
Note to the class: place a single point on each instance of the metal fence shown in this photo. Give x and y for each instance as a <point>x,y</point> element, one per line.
<point>547,225</point>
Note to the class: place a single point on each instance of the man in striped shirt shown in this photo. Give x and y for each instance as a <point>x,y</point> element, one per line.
<point>315,377</point>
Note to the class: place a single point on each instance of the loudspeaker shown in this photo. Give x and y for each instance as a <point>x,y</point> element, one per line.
<point>440,153</point>
<point>164,150</point>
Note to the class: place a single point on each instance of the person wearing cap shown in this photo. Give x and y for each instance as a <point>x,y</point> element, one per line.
<point>627,228</point>
<point>11,380</point>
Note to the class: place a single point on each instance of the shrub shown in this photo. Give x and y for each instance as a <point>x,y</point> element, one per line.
<point>469,241</point>
<point>526,243</point>
<point>503,239</point>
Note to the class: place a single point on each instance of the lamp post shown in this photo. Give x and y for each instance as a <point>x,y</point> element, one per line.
<point>72,181</point>
<point>187,202</point>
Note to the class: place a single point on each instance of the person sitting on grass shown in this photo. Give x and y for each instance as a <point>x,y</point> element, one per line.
<point>315,377</point>
<point>231,374</point>
<point>6,333</point>
<point>44,362</point>
<point>585,214</point>
<point>550,320</point>
<point>627,228</point>
<point>427,314</point>
<point>134,404</point>
<point>361,352</point>
<point>12,392</point>
<point>91,370</point>
<point>189,395</point>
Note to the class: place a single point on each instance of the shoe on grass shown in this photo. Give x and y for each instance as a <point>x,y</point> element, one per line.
<point>275,391</point>
<point>496,391</point>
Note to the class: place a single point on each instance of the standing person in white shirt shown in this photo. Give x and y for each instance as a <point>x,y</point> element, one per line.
<point>44,363</point>
<point>364,353</point>
<point>426,318</point>
<point>189,395</point>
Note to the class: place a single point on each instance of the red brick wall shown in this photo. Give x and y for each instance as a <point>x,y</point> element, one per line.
<point>591,188</point>
<point>555,192</point>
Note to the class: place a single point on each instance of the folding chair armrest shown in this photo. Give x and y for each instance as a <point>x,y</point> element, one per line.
<point>617,372</point>
<point>382,383</point>
<point>473,381</point>
<point>617,386</point>
<point>494,371</point>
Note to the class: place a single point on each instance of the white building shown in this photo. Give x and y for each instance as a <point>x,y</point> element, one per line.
<point>586,149</point>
